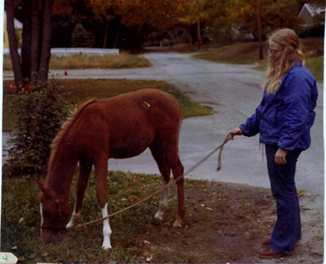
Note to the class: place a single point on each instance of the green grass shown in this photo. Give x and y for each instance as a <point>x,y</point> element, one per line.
<point>135,236</point>
<point>80,61</point>
<point>248,53</point>
<point>83,90</point>
<point>239,53</point>
<point>316,66</point>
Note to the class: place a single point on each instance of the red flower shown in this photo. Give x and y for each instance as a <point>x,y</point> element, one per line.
<point>27,87</point>
<point>12,88</point>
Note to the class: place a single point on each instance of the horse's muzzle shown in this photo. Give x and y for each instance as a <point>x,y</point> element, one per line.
<point>49,235</point>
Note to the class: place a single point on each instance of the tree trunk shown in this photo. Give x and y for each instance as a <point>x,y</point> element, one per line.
<point>105,33</point>
<point>13,44</point>
<point>47,6</point>
<point>260,30</point>
<point>26,40</point>
<point>198,34</point>
<point>35,42</point>
<point>115,44</point>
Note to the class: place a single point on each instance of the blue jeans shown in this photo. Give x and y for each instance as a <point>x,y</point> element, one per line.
<point>287,229</point>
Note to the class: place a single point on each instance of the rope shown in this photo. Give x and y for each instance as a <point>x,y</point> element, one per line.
<point>219,166</point>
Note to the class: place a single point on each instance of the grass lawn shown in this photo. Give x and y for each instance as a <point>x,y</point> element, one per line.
<point>81,61</point>
<point>248,53</point>
<point>213,214</point>
<point>224,223</point>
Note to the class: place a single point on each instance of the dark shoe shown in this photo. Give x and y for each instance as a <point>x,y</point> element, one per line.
<point>266,242</point>
<point>269,253</point>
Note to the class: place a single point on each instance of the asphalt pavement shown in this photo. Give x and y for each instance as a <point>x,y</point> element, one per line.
<point>233,91</point>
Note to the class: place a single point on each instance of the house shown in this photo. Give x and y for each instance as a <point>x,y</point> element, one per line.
<point>18,27</point>
<point>309,12</point>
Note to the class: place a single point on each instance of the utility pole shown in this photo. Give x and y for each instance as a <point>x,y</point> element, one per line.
<point>260,35</point>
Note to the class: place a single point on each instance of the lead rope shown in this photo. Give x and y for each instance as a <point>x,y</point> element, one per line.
<point>219,166</point>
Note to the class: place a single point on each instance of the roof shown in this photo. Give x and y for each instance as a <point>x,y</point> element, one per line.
<point>312,9</point>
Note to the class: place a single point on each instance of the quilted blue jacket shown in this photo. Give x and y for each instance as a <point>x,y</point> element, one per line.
<point>285,117</point>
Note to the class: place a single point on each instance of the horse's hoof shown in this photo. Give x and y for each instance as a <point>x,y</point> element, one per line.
<point>106,249</point>
<point>106,245</point>
<point>157,220</point>
<point>177,224</point>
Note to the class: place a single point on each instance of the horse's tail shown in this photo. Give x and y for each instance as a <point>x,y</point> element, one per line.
<point>66,127</point>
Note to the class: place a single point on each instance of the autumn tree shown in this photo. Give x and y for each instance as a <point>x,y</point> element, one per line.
<point>156,16</point>
<point>195,13</point>
<point>241,17</point>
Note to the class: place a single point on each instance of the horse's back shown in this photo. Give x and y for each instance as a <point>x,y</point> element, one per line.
<point>147,106</point>
<point>128,123</point>
<point>148,99</point>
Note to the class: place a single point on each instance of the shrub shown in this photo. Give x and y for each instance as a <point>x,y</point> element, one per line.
<point>82,38</point>
<point>39,113</point>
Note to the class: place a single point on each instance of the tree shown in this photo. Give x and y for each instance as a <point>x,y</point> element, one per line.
<point>39,110</point>
<point>33,65</point>
<point>155,16</point>
<point>81,38</point>
<point>195,13</point>
<point>241,16</point>
<point>13,43</point>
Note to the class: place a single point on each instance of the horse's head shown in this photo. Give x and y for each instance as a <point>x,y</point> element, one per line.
<point>54,215</point>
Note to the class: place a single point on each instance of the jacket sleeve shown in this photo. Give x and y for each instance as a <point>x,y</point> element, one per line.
<point>298,89</point>
<point>251,126</point>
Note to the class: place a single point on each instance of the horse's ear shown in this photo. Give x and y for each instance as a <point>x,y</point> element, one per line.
<point>47,192</point>
<point>41,185</point>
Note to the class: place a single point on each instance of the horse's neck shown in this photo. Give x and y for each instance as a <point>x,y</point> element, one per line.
<point>60,174</point>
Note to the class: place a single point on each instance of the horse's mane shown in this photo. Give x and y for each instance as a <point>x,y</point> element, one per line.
<point>66,127</point>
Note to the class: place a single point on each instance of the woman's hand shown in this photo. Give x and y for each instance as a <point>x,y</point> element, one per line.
<point>280,156</point>
<point>236,132</point>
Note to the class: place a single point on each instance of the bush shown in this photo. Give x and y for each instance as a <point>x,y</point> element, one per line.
<point>81,38</point>
<point>39,113</point>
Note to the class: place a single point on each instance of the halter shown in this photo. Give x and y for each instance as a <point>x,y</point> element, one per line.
<point>59,213</point>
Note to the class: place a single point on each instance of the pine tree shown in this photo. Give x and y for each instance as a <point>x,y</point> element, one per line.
<point>81,38</point>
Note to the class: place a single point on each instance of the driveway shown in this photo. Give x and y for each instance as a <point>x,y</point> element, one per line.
<point>233,91</point>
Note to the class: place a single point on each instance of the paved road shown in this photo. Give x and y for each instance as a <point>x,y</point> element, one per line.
<point>233,91</point>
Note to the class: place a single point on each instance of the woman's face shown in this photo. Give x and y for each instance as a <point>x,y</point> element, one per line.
<point>275,52</point>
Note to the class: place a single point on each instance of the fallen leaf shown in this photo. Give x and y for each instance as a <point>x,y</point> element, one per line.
<point>147,242</point>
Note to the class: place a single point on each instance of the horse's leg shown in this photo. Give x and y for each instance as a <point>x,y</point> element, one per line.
<point>85,168</point>
<point>101,171</point>
<point>177,170</point>
<point>167,158</point>
<point>165,172</point>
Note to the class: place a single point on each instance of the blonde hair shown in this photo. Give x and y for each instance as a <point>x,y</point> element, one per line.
<point>289,42</point>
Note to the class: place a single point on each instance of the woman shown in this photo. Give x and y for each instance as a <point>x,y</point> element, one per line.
<point>283,119</point>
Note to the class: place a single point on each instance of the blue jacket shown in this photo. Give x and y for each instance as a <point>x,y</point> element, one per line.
<point>285,117</point>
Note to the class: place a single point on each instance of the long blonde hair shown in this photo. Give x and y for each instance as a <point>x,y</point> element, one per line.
<point>289,41</point>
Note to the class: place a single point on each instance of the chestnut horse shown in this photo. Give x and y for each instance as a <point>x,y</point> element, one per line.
<point>118,127</point>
